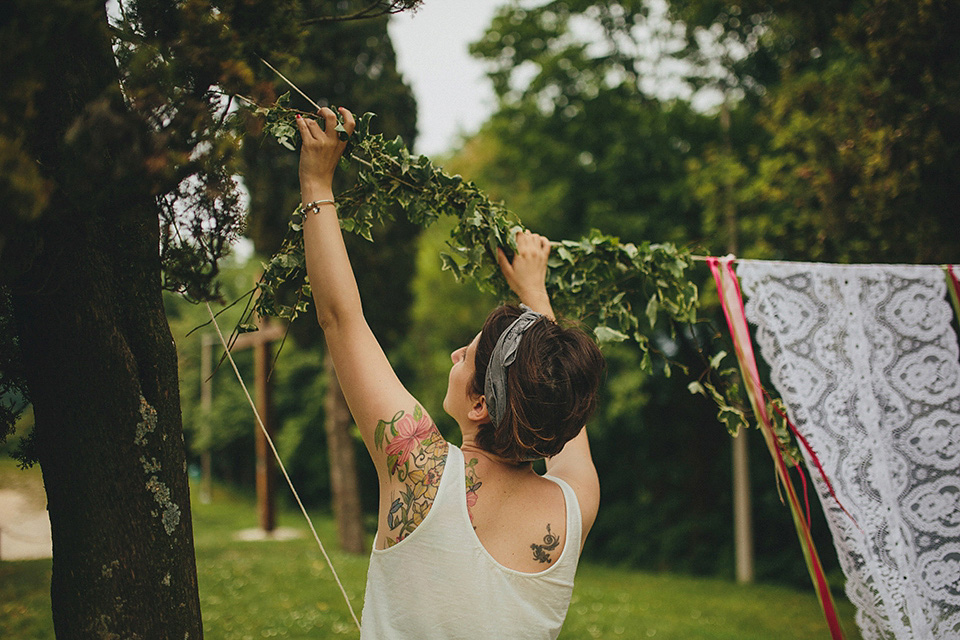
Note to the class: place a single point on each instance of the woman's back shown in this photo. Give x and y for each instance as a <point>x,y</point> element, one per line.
<point>518,516</point>
<point>504,587</point>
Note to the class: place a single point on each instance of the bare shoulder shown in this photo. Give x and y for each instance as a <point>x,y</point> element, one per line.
<point>519,517</point>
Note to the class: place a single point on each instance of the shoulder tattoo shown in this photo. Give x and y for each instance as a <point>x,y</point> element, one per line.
<point>416,454</point>
<point>550,543</point>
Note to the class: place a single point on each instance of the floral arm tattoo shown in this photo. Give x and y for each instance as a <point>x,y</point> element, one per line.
<point>416,454</point>
<point>550,543</point>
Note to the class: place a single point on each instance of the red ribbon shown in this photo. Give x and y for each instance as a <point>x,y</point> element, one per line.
<point>814,458</point>
<point>953,279</point>
<point>954,289</point>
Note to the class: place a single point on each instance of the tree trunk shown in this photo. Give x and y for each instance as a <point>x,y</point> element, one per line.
<point>343,465</point>
<point>102,373</point>
<point>99,358</point>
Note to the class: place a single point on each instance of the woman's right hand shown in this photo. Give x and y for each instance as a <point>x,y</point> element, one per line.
<point>321,149</point>
<point>527,274</point>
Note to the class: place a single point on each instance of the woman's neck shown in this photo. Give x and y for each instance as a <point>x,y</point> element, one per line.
<point>472,450</point>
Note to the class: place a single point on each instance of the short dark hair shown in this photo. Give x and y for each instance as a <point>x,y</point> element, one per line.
<point>551,387</point>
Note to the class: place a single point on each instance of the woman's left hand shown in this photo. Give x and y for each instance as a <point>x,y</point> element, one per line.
<point>321,148</point>
<point>527,272</point>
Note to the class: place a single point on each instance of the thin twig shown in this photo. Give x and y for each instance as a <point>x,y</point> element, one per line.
<point>283,341</point>
<point>295,87</point>
<point>226,111</point>
<point>245,294</point>
<point>366,12</point>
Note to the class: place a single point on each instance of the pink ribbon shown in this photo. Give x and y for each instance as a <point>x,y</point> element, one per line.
<point>954,285</point>
<point>731,300</point>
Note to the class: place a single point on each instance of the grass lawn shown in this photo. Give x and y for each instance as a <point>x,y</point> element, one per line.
<point>283,589</point>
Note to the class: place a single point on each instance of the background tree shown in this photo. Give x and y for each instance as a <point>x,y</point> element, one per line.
<point>113,144</point>
<point>350,64</point>
<point>856,102</point>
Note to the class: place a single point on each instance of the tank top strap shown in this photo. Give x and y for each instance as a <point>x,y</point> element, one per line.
<point>453,480</point>
<point>449,505</point>
<point>574,517</point>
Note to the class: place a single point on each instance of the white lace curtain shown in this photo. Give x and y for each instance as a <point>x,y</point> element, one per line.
<point>866,360</point>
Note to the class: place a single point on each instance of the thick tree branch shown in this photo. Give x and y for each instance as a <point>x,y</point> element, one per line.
<point>374,10</point>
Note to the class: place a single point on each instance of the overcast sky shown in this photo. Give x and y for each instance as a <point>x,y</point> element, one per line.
<point>453,95</point>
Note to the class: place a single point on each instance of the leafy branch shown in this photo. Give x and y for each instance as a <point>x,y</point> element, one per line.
<point>597,279</point>
<point>623,291</point>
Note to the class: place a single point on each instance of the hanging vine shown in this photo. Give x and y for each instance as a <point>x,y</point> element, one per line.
<point>621,290</point>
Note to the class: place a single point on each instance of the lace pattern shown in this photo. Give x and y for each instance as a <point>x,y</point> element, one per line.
<point>866,360</point>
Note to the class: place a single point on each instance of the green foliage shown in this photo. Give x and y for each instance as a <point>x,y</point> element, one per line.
<point>583,139</point>
<point>228,428</point>
<point>134,142</point>
<point>13,386</point>
<point>178,69</point>
<point>849,151</point>
<point>589,279</point>
<point>343,63</point>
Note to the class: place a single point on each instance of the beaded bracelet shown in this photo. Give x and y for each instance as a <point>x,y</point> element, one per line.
<point>314,207</point>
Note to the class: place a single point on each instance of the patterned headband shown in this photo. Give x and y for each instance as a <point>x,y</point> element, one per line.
<point>504,353</point>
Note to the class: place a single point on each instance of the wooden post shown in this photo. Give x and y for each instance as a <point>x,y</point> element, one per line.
<point>742,504</point>
<point>260,341</point>
<point>265,464</point>
<point>206,402</point>
<point>742,509</point>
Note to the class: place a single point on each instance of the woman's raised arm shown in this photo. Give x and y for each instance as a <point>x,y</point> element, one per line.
<point>370,386</point>
<point>331,277</point>
<point>526,276</point>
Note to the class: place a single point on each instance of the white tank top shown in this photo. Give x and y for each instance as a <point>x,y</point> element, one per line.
<point>439,582</point>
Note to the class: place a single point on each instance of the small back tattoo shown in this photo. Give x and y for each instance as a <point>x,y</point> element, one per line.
<point>550,543</point>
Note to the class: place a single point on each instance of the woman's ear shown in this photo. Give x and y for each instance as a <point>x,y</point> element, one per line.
<point>478,412</point>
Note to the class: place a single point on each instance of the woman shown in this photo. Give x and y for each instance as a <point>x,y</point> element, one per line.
<point>471,541</point>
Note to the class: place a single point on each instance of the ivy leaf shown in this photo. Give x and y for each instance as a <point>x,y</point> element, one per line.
<point>732,418</point>
<point>449,264</point>
<point>608,334</point>
<point>652,308</point>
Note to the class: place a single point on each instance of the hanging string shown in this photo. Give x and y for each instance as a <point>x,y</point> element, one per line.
<point>282,468</point>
